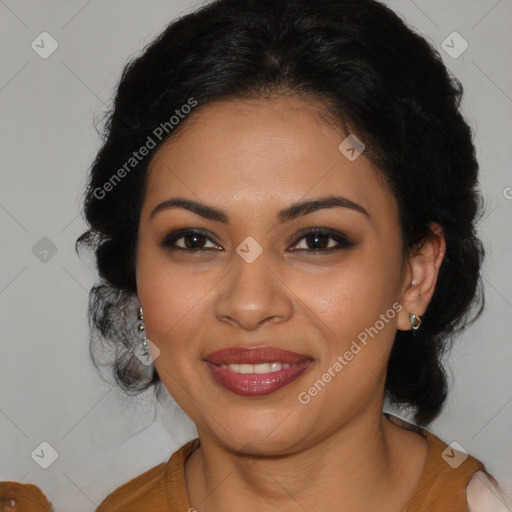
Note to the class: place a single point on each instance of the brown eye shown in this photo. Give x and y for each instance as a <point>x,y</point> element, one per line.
<point>318,241</point>
<point>322,240</point>
<point>193,240</point>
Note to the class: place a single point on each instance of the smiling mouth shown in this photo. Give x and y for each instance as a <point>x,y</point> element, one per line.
<point>259,368</point>
<point>256,371</point>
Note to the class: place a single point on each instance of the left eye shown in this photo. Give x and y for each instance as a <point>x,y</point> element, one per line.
<point>321,240</point>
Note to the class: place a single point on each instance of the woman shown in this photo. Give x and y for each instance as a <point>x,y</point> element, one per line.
<point>285,201</point>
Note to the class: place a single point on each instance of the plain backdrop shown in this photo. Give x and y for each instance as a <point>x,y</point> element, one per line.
<point>49,390</point>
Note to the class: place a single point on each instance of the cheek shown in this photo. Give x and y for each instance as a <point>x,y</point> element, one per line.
<point>352,295</point>
<point>355,305</point>
<point>359,324</point>
<point>172,317</point>
<point>171,300</point>
<point>173,311</point>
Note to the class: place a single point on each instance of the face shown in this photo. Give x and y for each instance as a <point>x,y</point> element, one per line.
<point>251,270</point>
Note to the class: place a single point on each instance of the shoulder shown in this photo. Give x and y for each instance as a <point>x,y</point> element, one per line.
<point>143,487</point>
<point>446,473</point>
<point>453,480</point>
<point>150,490</point>
<point>450,463</point>
<point>484,494</point>
<point>27,497</point>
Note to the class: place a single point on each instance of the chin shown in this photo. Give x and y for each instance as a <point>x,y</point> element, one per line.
<point>257,441</point>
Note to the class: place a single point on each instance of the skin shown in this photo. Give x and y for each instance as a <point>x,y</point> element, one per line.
<point>252,158</point>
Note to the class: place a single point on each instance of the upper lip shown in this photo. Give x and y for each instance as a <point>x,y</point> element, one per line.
<point>255,355</point>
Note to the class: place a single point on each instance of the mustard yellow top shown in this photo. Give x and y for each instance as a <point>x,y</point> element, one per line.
<point>162,488</point>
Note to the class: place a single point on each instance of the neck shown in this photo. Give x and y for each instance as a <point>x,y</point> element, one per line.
<point>337,471</point>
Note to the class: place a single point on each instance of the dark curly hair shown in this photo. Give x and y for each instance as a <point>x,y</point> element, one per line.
<point>374,75</point>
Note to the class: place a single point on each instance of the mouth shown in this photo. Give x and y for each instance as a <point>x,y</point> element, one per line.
<point>256,371</point>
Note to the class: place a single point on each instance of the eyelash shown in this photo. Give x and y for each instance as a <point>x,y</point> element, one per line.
<point>170,239</point>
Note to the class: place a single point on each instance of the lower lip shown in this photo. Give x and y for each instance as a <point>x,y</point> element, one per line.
<point>256,384</point>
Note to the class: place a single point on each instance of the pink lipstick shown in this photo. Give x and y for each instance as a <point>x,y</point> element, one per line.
<point>256,371</point>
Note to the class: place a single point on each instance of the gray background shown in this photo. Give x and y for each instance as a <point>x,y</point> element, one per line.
<point>49,389</point>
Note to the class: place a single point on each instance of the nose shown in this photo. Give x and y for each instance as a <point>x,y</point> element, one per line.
<point>253,294</point>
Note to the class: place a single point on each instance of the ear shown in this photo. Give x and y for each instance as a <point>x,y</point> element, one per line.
<point>422,270</point>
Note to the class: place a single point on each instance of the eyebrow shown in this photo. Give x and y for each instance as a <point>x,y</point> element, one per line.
<point>288,214</point>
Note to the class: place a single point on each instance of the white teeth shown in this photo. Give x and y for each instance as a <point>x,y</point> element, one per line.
<point>256,368</point>
<point>261,368</point>
<point>275,367</point>
<point>246,368</point>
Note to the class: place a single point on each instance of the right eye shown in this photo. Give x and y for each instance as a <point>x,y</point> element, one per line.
<point>193,240</point>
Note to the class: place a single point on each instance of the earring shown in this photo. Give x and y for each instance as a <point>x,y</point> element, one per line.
<point>141,329</point>
<point>415,321</point>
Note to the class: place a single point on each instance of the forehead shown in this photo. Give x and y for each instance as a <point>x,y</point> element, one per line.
<point>263,152</point>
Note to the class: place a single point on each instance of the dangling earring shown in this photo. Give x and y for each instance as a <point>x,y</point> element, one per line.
<point>415,322</point>
<point>141,329</point>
